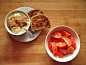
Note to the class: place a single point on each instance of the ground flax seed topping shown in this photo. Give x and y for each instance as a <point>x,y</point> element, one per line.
<point>16,23</point>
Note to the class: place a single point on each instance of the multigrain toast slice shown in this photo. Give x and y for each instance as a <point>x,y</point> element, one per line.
<point>39,22</point>
<point>35,12</point>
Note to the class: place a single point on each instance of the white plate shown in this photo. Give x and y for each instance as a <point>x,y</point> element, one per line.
<point>26,37</point>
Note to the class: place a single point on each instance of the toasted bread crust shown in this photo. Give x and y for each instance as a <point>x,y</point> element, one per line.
<point>35,12</point>
<point>39,22</point>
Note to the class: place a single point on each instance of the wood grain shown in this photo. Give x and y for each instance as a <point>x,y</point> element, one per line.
<point>60,12</point>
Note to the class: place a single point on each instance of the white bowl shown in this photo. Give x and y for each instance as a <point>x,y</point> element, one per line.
<point>9,14</point>
<point>76,38</point>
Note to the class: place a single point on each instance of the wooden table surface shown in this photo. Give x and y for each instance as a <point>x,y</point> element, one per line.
<point>60,12</point>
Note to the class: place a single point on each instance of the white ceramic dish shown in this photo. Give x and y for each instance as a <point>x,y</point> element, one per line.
<point>26,37</point>
<point>76,38</point>
<point>10,14</point>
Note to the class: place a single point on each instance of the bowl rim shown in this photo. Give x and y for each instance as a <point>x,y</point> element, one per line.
<point>5,21</point>
<point>49,52</point>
